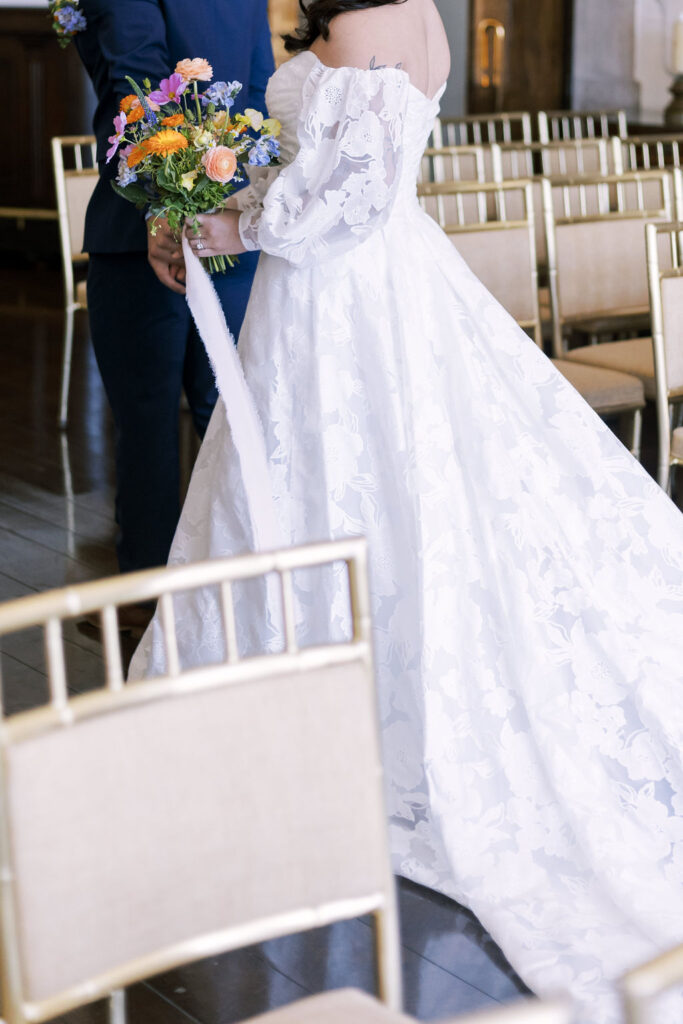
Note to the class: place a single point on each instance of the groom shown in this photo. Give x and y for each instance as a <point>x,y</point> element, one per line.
<point>146,347</point>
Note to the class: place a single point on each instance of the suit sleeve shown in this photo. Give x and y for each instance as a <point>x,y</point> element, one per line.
<point>131,35</point>
<point>262,62</point>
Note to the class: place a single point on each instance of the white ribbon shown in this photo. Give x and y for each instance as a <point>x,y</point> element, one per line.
<point>243,419</point>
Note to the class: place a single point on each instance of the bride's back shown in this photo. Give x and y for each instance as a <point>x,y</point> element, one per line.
<point>408,34</point>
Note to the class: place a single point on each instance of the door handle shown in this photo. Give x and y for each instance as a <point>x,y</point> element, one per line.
<point>490,52</point>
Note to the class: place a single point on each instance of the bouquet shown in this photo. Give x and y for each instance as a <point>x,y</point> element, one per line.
<point>180,151</point>
<point>67,20</point>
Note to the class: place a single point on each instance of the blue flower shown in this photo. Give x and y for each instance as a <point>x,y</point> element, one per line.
<point>126,175</point>
<point>70,19</point>
<point>273,146</point>
<point>221,94</point>
<point>259,155</point>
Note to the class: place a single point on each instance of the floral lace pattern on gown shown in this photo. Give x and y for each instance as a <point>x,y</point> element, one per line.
<point>526,573</point>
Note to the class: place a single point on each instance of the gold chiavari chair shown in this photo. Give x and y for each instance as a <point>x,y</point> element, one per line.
<point>501,251</point>
<point>536,160</point>
<point>554,125</point>
<point>74,185</point>
<point>456,163</point>
<point>649,152</point>
<point>663,377</point>
<point>481,129</point>
<point>596,251</point>
<point>252,786</point>
<point>641,986</point>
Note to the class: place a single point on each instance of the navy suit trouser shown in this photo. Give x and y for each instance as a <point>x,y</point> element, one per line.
<point>148,351</point>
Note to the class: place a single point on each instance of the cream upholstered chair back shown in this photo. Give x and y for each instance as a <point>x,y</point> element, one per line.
<point>554,125</point>
<point>665,277</point>
<point>74,163</point>
<point>500,248</point>
<point>635,153</point>
<point>526,1011</point>
<point>641,987</point>
<point>478,129</point>
<point>149,824</point>
<point>597,260</point>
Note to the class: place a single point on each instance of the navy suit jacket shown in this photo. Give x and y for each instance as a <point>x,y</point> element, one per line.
<point>146,39</point>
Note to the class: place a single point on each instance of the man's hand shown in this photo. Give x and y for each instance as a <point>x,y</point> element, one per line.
<point>165,255</point>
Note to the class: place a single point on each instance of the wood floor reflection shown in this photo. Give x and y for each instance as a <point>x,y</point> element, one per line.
<point>57,527</point>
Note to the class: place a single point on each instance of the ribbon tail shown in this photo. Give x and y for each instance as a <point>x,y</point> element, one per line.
<point>243,419</point>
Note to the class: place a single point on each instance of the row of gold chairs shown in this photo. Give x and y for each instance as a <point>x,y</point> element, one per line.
<point>251,786</point>
<point>521,126</point>
<point>596,259</point>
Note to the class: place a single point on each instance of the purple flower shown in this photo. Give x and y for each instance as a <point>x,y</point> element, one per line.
<point>170,90</point>
<point>70,19</point>
<point>126,175</point>
<point>120,123</point>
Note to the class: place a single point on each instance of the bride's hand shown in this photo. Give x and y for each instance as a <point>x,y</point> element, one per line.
<point>218,234</point>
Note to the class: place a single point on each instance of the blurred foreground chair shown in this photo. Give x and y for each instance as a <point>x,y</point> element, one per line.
<point>502,253</point>
<point>75,180</point>
<point>647,152</point>
<point>641,986</point>
<point>251,787</point>
<point>554,125</point>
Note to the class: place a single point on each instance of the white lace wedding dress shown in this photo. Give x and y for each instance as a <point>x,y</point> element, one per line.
<point>527,575</point>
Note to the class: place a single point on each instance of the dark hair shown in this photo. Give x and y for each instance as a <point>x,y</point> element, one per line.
<point>317,17</point>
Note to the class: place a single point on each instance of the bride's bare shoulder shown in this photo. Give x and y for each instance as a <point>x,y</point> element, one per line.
<point>363,38</point>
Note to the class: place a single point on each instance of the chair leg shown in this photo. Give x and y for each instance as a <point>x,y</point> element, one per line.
<point>66,369</point>
<point>117,1007</point>
<point>636,433</point>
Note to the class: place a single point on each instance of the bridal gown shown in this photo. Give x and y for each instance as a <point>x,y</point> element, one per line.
<point>526,573</point>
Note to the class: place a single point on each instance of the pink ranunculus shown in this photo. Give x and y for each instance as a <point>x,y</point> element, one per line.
<point>195,70</point>
<point>220,164</point>
<point>170,90</point>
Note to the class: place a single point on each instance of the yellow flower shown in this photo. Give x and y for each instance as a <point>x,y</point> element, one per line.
<point>272,126</point>
<point>187,180</point>
<point>255,118</point>
<point>166,142</point>
<point>220,118</point>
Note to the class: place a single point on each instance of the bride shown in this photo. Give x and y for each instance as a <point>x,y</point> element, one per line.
<point>527,574</point>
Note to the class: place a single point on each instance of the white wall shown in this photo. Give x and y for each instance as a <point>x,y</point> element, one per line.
<point>604,48</point>
<point>456,18</point>
<point>650,53</point>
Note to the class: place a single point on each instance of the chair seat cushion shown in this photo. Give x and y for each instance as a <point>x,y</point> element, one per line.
<point>606,391</point>
<point>343,1006</point>
<point>634,356</point>
<point>677,443</point>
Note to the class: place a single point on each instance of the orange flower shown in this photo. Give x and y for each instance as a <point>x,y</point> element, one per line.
<point>195,70</point>
<point>132,108</point>
<point>166,142</point>
<point>220,164</point>
<point>137,154</point>
<point>173,120</point>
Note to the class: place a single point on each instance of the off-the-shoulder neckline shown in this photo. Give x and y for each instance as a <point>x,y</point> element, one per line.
<point>344,67</point>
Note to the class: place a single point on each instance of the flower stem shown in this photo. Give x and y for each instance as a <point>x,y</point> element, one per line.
<point>199,109</point>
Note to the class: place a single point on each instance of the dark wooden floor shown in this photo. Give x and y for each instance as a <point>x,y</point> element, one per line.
<point>56,527</point>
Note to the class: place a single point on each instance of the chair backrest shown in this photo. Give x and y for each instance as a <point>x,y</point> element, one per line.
<point>499,248</point>
<point>74,162</point>
<point>525,1011</point>
<point>150,824</point>
<point>641,987</point>
<point>597,260</point>
<point>478,129</point>
<point>664,243</point>
<point>456,163</point>
<point>635,153</point>
<point>571,157</point>
<point>554,125</point>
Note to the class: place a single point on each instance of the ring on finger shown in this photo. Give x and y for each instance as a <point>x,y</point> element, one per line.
<point>199,246</point>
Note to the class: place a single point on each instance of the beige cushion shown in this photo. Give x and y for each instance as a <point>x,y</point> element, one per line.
<point>634,356</point>
<point>677,443</point>
<point>344,1006</point>
<point>82,294</point>
<point>605,390</point>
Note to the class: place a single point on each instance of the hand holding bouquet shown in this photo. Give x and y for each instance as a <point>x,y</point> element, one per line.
<point>180,151</point>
